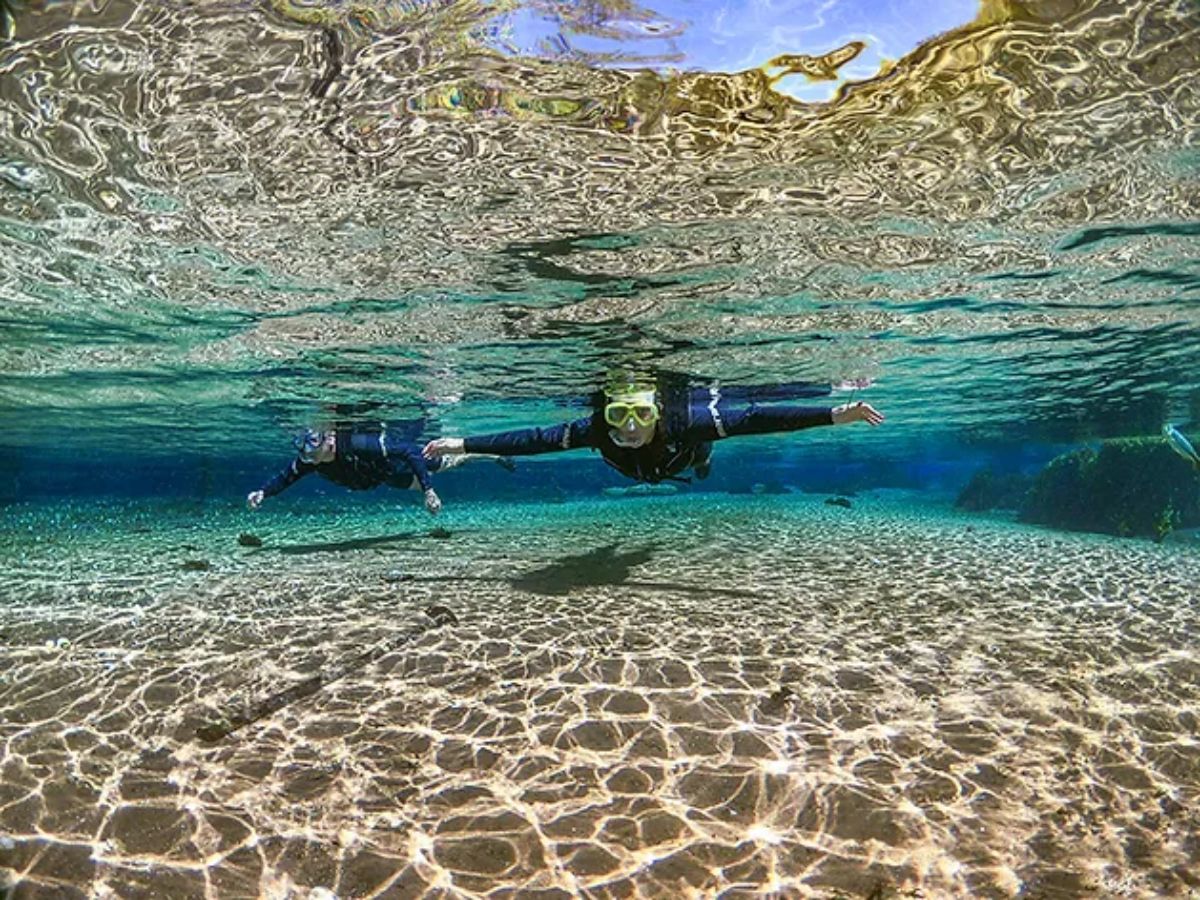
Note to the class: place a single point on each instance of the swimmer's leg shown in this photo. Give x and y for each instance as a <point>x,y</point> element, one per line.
<point>453,460</point>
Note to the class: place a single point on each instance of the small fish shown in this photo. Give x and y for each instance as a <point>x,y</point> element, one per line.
<point>1181,445</point>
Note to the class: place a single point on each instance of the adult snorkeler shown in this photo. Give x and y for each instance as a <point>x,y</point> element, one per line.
<point>363,457</point>
<point>652,433</point>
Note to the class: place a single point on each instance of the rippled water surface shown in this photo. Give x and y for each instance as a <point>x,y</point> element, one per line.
<point>222,213</point>
<point>222,221</point>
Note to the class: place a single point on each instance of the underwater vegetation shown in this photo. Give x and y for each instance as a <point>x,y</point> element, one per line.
<point>1129,487</point>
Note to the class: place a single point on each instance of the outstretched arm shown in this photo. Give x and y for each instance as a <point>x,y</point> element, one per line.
<point>715,420</point>
<point>281,482</point>
<point>412,455</point>
<point>393,447</point>
<point>856,412</point>
<point>522,442</point>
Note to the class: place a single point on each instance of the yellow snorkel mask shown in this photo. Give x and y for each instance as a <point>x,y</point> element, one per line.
<point>637,402</point>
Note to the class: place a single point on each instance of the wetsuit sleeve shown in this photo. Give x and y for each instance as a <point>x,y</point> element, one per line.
<point>713,421</point>
<point>289,476</point>
<point>411,455</point>
<point>529,441</point>
<point>769,393</point>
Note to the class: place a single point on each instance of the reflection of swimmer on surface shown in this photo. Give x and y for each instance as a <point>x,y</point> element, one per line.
<point>362,457</point>
<point>654,433</point>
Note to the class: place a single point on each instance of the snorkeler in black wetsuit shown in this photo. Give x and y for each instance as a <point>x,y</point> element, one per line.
<point>363,457</point>
<point>653,434</point>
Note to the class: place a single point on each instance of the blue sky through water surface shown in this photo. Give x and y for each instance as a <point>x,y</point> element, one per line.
<point>717,36</point>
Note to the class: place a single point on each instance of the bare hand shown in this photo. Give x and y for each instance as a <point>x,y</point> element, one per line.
<point>438,448</point>
<point>433,502</point>
<point>857,412</point>
<point>254,499</point>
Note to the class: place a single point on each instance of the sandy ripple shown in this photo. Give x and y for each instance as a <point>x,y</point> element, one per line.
<point>675,697</point>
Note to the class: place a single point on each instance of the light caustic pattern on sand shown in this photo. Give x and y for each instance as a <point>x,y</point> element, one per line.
<point>654,698</point>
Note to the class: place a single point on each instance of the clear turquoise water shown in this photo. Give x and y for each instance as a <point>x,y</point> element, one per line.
<point>221,223</point>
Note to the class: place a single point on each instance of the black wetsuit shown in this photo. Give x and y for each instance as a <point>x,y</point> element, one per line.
<point>692,418</point>
<point>367,456</point>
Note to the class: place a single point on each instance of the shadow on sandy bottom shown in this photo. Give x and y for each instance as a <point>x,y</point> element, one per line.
<point>605,566</point>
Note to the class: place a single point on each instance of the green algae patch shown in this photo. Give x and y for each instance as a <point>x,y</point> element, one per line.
<point>1129,487</point>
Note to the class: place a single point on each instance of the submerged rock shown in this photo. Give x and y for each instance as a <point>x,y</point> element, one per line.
<point>775,703</point>
<point>196,565</point>
<point>1130,487</point>
<point>839,501</point>
<point>441,615</point>
<point>246,539</point>
<point>440,533</point>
